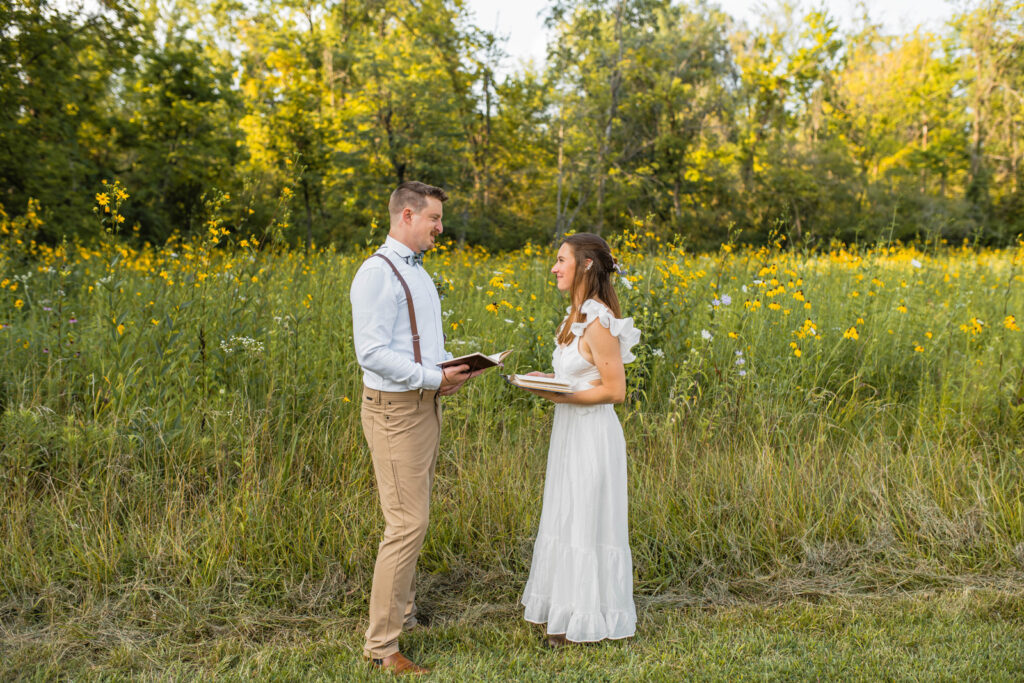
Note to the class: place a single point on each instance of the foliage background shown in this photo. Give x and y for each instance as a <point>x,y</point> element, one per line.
<point>304,114</point>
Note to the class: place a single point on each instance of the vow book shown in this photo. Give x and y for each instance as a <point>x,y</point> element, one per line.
<point>536,382</point>
<point>476,361</point>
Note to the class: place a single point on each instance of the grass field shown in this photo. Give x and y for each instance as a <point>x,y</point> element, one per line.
<point>961,635</point>
<point>184,484</point>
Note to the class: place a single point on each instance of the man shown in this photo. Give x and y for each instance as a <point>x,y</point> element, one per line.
<point>398,348</point>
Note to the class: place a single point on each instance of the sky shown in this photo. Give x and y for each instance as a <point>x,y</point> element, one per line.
<point>523,24</point>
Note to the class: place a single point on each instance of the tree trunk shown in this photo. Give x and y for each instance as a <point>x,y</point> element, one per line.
<point>559,209</point>
<point>309,215</point>
<point>615,82</point>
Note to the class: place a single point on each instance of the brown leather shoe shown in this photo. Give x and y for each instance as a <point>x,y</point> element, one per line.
<point>398,665</point>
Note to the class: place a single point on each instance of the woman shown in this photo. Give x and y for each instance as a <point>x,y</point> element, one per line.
<point>581,577</point>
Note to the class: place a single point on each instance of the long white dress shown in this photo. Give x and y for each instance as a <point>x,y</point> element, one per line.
<point>581,576</point>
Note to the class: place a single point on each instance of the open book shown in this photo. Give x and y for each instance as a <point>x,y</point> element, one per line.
<point>476,361</point>
<point>539,382</point>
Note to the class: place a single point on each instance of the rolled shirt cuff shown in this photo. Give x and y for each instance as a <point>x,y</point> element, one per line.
<point>432,378</point>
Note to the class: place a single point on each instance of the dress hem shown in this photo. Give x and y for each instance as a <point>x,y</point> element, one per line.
<point>593,640</point>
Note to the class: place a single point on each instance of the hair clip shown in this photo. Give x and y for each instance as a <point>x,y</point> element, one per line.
<point>588,266</point>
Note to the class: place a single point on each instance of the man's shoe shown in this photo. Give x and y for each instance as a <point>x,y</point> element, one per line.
<point>398,665</point>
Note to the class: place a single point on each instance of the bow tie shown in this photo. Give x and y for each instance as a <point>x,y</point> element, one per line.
<point>414,260</point>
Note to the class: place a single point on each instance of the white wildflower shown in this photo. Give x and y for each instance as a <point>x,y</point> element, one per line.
<point>706,335</point>
<point>237,343</point>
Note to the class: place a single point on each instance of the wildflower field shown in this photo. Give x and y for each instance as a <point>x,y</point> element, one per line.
<point>181,443</point>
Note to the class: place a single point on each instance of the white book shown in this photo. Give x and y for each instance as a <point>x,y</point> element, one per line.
<point>538,382</point>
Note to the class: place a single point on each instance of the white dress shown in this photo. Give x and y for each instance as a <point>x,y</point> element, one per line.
<point>581,576</point>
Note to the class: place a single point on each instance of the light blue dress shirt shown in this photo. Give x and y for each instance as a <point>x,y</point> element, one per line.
<point>380,323</point>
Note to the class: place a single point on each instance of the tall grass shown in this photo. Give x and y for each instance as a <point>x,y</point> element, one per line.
<point>180,433</point>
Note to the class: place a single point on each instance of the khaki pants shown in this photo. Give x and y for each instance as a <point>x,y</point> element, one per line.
<point>403,430</point>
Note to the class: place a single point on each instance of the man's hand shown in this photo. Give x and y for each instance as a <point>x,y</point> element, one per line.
<point>454,377</point>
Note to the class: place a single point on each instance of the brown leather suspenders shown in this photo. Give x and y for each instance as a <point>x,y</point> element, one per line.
<point>412,311</point>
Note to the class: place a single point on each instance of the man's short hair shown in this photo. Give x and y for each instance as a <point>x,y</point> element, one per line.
<point>414,195</point>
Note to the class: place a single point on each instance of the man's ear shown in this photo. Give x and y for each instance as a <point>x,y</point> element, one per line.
<point>407,214</point>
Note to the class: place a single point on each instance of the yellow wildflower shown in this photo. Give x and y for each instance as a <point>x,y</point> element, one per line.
<point>973,326</point>
<point>851,334</point>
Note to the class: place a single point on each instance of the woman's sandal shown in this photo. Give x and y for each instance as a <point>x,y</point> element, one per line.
<point>556,641</point>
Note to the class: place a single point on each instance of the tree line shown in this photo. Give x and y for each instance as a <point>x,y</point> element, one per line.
<point>295,118</point>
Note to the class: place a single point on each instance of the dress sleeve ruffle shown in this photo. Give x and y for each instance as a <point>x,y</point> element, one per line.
<point>621,328</point>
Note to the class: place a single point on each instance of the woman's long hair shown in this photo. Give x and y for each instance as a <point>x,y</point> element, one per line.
<point>594,282</point>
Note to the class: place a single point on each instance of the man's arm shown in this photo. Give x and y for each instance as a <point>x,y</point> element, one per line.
<point>374,311</point>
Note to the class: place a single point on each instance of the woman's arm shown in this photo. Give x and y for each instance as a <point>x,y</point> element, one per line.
<point>604,348</point>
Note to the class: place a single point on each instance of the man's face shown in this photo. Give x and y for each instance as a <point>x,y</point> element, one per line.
<point>425,225</point>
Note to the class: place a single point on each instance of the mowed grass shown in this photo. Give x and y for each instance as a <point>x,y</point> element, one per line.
<point>955,635</point>
<point>184,484</point>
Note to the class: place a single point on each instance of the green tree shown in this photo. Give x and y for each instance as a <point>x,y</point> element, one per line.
<point>991,37</point>
<point>58,111</point>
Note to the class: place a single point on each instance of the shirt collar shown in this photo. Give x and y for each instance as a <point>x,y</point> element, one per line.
<point>403,252</point>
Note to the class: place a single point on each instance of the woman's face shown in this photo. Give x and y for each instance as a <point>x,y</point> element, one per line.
<point>564,269</point>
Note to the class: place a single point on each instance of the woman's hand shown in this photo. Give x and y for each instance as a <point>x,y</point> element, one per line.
<point>537,373</point>
<point>553,396</point>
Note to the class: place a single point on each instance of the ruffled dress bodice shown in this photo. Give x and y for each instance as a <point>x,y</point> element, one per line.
<point>567,361</point>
